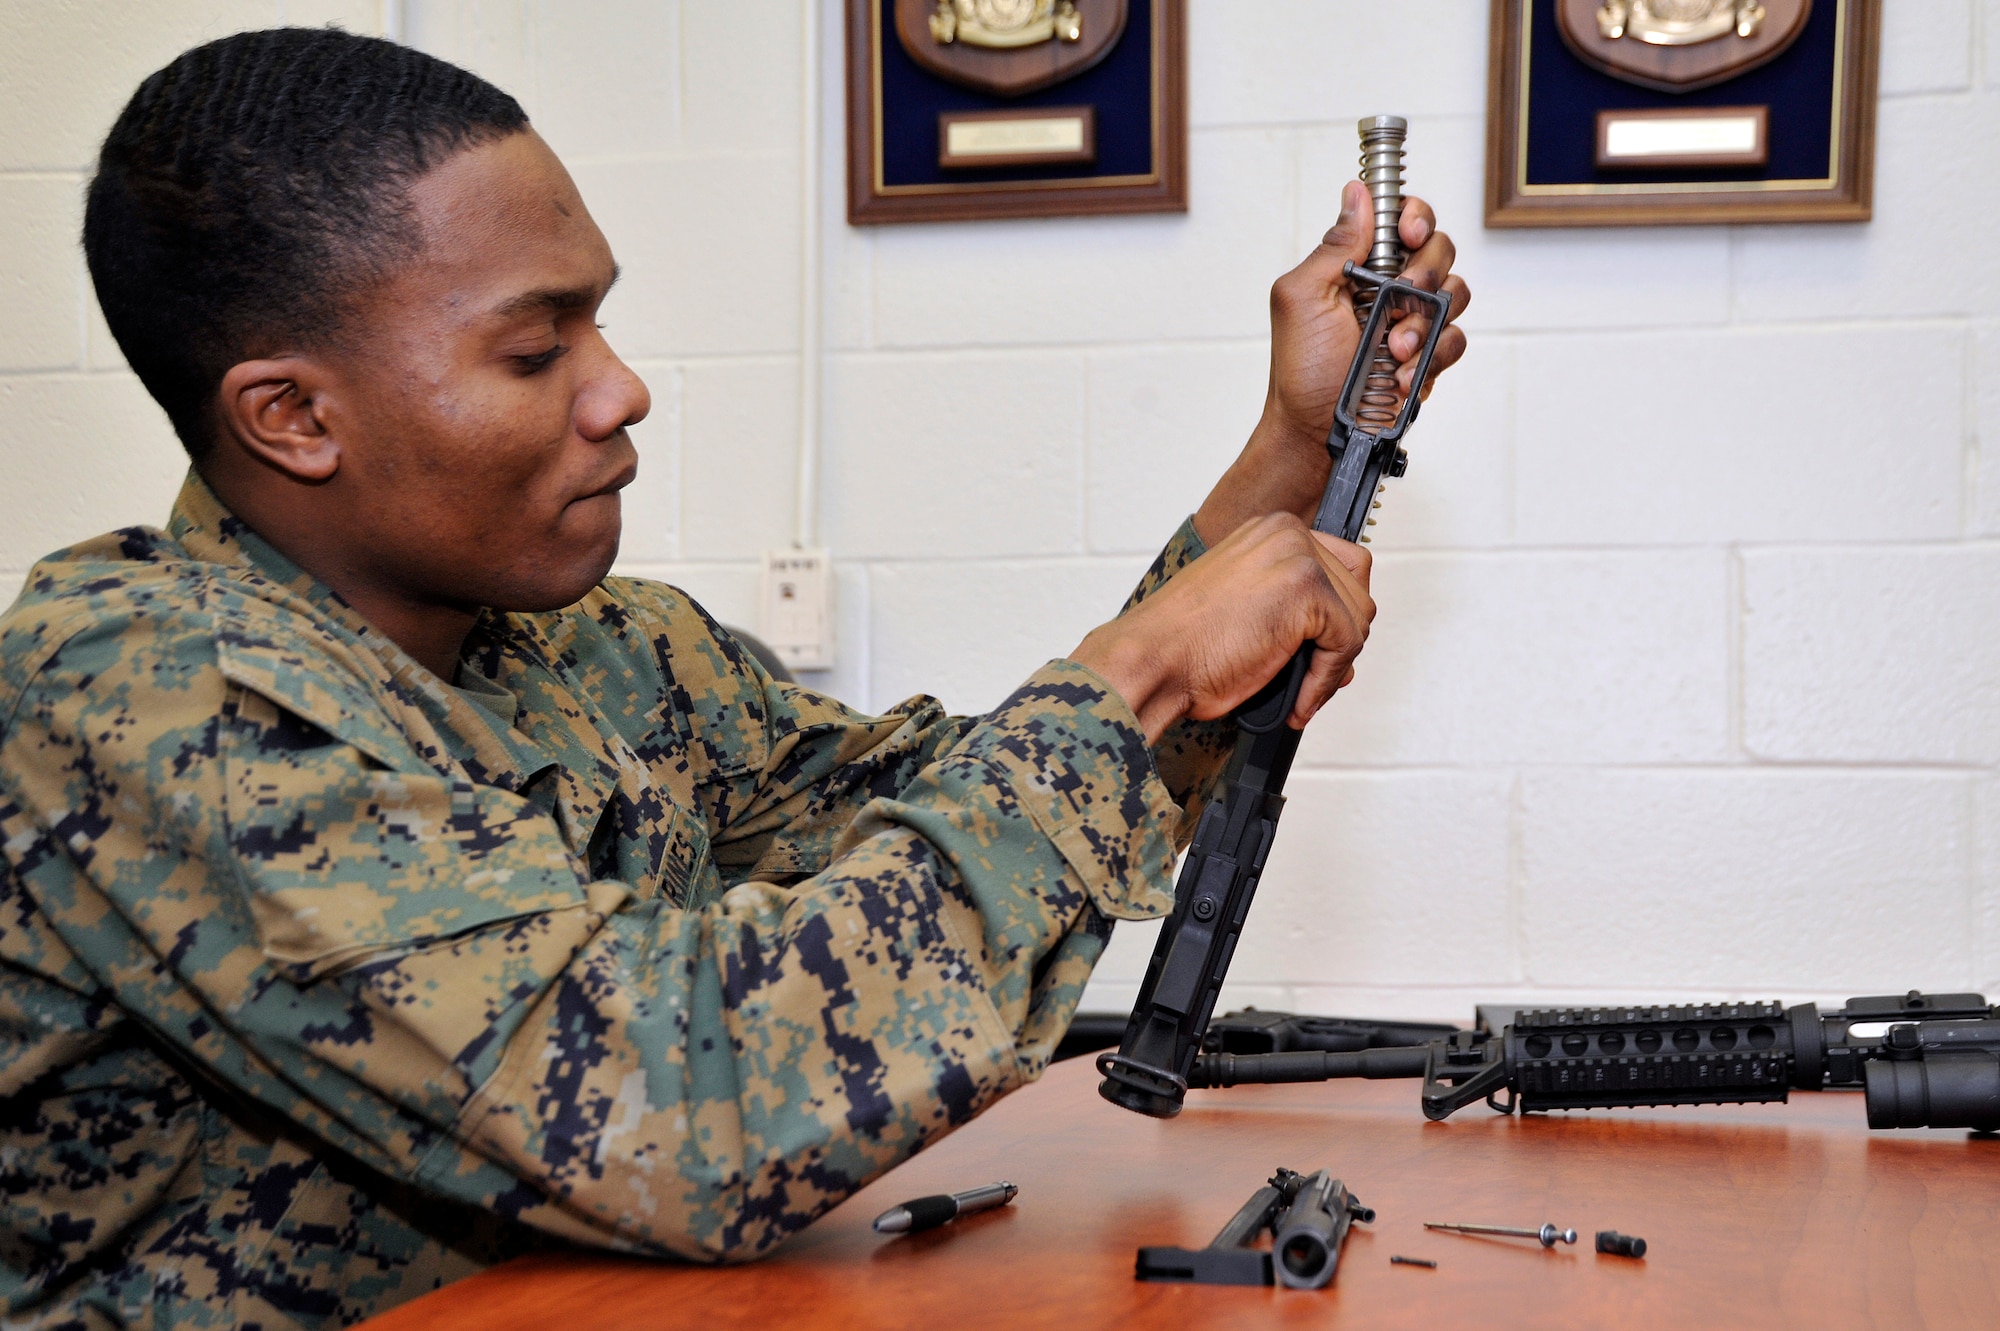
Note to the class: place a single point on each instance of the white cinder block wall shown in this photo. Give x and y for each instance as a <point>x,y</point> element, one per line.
<point>1687,676</point>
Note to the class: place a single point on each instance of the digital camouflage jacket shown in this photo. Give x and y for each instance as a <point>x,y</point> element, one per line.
<point>324,982</point>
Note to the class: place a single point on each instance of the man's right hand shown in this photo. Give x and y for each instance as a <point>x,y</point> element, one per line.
<point>1227,623</point>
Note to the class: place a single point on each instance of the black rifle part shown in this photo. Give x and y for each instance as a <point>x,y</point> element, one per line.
<point>1620,1245</point>
<point>1306,1239</point>
<point>1252,1031</point>
<point>1149,1071</point>
<point>1307,1216</point>
<point>1256,1031</point>
<point>1921,1060</point>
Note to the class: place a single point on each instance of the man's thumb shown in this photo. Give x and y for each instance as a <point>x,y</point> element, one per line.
<point>1356,224</point>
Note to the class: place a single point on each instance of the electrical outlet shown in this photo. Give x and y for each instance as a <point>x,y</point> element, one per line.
<point>796,607</point>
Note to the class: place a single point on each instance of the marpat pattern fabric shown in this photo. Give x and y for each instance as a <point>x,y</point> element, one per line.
<point>325,981</point>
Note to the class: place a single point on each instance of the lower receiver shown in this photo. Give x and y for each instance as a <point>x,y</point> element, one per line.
<point>1149,1071</point>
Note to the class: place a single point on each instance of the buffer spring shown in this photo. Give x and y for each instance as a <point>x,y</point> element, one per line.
<point>1382,172</point>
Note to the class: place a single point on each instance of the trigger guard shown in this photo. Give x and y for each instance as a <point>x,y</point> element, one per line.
<point>1261,718</point>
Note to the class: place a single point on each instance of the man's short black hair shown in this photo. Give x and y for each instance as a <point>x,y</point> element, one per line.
<point>253,185</point>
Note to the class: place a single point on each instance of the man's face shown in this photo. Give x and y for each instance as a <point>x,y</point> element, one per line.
<point>481,415</point>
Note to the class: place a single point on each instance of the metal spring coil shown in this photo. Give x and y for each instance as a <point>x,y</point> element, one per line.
<point>1382,172</point>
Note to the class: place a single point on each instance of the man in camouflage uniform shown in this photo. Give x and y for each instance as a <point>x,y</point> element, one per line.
<point>384,890</point>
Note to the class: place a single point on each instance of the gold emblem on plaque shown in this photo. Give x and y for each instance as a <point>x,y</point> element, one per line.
<point>1007,48</point>
<point>1678,22</point>
<point>1004,24</point>
<point>1679,45</point>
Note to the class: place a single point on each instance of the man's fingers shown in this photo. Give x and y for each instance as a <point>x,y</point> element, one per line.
<point>1328,673</point>
<point>1343,570</point>
<point>1346,568</point>
<point>1286,590</point>
<point>1408,336</point>
<point>1356,605</point>
<point>1344,629</point>
<point>1461,296</point>
<point>1417,224</point>
<point>1346,555</point>
<point>1430,263</point>
<point>1450,347</point>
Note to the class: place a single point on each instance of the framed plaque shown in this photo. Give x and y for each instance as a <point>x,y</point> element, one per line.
<point>960,109</point>
<point>1641,112</point>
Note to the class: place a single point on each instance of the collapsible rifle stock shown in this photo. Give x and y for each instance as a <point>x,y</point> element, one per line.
<point>1149,1072</point>
<point>1922,1060</point>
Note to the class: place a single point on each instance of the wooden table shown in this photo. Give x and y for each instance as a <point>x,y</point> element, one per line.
<point>1788,1215</point>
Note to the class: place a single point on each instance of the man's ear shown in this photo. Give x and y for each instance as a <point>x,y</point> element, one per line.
<point>275,411</point>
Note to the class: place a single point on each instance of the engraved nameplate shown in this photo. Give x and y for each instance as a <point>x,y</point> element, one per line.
<point>1698,137</point>
<point>1017,138</point>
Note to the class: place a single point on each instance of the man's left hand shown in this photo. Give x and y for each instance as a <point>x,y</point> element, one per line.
<point>1314,336</point>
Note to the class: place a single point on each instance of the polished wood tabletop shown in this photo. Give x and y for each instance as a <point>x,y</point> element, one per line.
<point>1791,1215</point>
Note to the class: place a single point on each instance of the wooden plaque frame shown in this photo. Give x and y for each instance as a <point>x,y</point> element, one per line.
<point>1844,194</point>
<point>870,200</point>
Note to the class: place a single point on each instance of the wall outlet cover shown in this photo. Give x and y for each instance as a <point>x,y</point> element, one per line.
<point>795,607</point>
